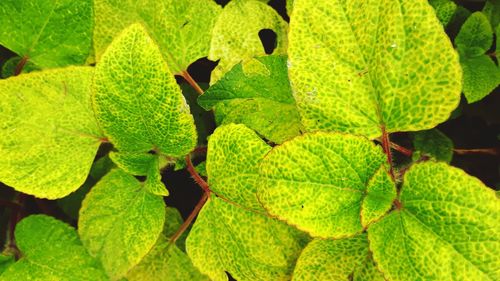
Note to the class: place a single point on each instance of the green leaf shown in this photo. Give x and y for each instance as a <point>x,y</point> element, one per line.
<point>289,7</point>
<point>445,10</point>
<point>181,28</point>
<point>201,169</point>
<point>236,34</point>
<point>43,117</point>
<point>475,36</point>
<point>434,144</point>
<point>481,77</point>
<point>6,260</point>
<point>246,244</point>
<point>50,33</point>
<point>358,66</point>
<point>492,10</point>
<point>9,67</point>
<point>328,184</point>
<point>51,252</point>
<point>256,93</point>
<point>446,229</point>
<point>234,153</point>
<point>153,181</point>
<point>120,222</point>
<point>336,260</point>
<point>137,100</point>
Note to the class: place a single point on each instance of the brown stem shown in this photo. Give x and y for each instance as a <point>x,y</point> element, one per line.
<point>197,178</point>
<point>190,218</point>
<point>386,145</point>
<point>403,150</point>
<point>20,65</point>
<point>191,82</point>
<point>488,151</point>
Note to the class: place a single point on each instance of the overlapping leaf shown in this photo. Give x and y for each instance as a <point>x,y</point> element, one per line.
<point>43,117</point>
<point>256,93</point>
<point>432,143</point>
<point>445,10</point>
<point>49,33</point>
<point>446,229</point>
<point>137,100</point>
<point>358,65</point>
<point>236,34</point>
<point>120,222</point>
<point>182,28</point>
<point>328,184</point>
<point>51,251</point>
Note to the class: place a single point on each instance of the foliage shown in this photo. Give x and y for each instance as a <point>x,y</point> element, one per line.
<point>300,180</point>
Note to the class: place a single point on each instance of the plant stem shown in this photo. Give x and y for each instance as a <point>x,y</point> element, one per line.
<point>403,150</point>
<point>190,218</point>
<point>488,151</point>
<point>194,174</point>
<point>20,65</point>
<point>15,217</point>
<point>386,145</point>
<point>192,82</point>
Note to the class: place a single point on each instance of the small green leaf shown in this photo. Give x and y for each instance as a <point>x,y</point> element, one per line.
<point>492,10</point>
<point>246,244</point>
<point>445,10</point>
<point>358,66</point>
<point>234,152</point>
<point>256,93</point>
<point>120,222</point>
<point>51,251</point>
<point>481,77</point>
<point>134,163</point>
<point>153,181</point>
<point>202,169</point>
<point>328,184</point>
<point>49,33</point>
<point>289,7</point>
<point>137,100</point>
<point>181,28</point>
<point>434,144</point>
<point>43,117</point>
<point>336,260</point>
<point>446,229</point>
<point>9,67</point>
<point>236,34</point>
<point>475,36</point>
<point>6,260</point>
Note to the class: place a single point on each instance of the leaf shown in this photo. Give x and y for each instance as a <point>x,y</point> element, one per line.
<point>120,222</point>
<point>134,163</point>
<point>203,120</point>
<point>6,260</point>
<point>51,252</point>
<point>235,37</point>
<point>9,67</point>
<point>50,33</point>
<point>329,184</point>
<point>475,36</point>
<point>336,260</point>
<point>256,93</point>
<point>201,169</point>
<point>234,153</point>
<point>358,66</point>
<point>181,28</point>
<point>481,77</point>
<point>43,116</point>
<point>247,245</point>
<point>432,143</point>
<point>289,7</point>
<point>492,10</point>
<point>137,101</point>
<point>445,10</point>
<point>446,229</point>
<point>153,181</point>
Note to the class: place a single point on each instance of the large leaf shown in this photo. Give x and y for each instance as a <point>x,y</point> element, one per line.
<point>446,229</point>
<point>256,93</point>
<point>337,260</point>
<point>51,251</point>
<point>356,66</point>
<point>49,135</point>
<point>236,34</point>
<point>234,152</point>
<point>248,245</point>
<point>182,28</point>
<point>47,32</point>
<point>328,184</point>
<point>475,36</point>
<point>481,77</point>
<point>137,100</point>
<point>120,222</point>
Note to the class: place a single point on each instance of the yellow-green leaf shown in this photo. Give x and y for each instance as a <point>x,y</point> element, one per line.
<point>356,66</point>
<point>446,229</point>
<point>137,100</point>
<point>49,136</point>
<point>120,222</point>
<point>328,184</point>
<point>182,28</point>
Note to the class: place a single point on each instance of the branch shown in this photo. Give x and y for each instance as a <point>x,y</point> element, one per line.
<point>386,145</point>
<point>190,218</point>
<point>20,65</point>
<point>194,174</point>
<point>403,150</point>
<point>487,151</point>
<point>191,82</point>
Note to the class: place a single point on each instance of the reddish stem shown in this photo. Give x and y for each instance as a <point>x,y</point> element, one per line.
<point>487,151</point>
<point>403,150</point>
<point>20,65</point>
<point>194,174</point>
<point>191,82</point>
<point>386,145</point>
<point>190,218</point>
